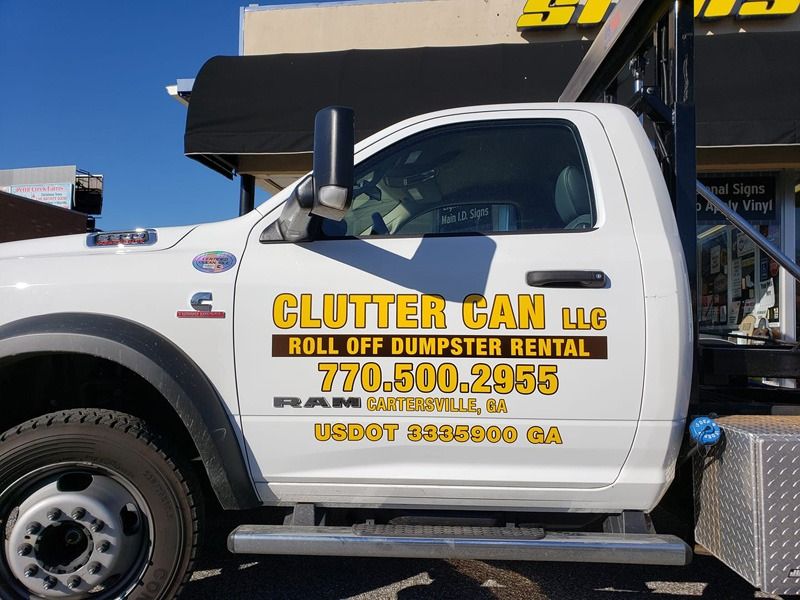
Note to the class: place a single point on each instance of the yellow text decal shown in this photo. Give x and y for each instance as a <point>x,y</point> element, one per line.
<point>549,14</point>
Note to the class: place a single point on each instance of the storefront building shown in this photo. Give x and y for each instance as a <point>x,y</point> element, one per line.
<point>252,114</point>
<point>48,201</point>
<point>63,186</point>
<point>24,219</point>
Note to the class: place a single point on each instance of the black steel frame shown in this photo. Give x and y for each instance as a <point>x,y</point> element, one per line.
<point>247,194</point>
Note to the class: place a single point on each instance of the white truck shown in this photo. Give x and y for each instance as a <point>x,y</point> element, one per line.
<point>480,331</point>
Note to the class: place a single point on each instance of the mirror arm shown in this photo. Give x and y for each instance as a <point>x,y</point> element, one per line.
<point>328,191</point>
<point>295,222</point>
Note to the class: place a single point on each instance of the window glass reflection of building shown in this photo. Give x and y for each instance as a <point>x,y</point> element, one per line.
<point>739,284</point>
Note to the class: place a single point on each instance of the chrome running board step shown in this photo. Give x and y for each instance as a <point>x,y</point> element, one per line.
<point>498,543</point>
<point>450,531</point>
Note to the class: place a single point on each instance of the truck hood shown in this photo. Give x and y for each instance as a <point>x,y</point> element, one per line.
<point>73,245</point>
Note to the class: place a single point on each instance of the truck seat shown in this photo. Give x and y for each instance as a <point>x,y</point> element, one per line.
<point>572,199</point>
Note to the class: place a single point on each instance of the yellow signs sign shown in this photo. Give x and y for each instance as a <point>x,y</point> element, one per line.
<point>541,14</point>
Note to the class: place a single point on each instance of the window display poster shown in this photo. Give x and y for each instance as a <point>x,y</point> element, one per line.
<point>747,308</point>
<point>768,270</point>
<point>735,317</point>
<point>742,245</point>
<point>715,255</point>
<point>765,299</point>
<point>748,278</point>
<point>714,281</point>
<point>736,278</point>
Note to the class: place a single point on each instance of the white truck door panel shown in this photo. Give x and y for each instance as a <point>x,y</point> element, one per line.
<point>429,360</point>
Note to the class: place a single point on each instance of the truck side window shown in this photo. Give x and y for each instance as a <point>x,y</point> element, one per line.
<point>487,177</point>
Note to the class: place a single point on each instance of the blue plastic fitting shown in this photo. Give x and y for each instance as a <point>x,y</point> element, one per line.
<point>705,431</point>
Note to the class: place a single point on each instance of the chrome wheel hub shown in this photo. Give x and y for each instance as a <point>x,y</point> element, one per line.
<point>75,534</point>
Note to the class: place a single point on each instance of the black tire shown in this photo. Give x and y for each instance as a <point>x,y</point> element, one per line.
<point>115,447</point>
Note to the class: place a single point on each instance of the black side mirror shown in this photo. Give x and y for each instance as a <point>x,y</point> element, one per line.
<point>333,162</point>
<point>328,191</point>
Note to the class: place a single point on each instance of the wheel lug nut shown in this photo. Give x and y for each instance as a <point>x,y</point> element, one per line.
<point>54,514</point>
<point>31,570</point>
<point>103,548</point>
<point>93,569</point>
<point>33,528</point>
<point>97,525</point>
<point>24,549</point>
<point>73,582</point>
<point>49,582</point>
<point>78,513</point>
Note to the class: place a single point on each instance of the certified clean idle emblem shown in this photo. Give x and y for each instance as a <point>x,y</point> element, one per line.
<point>203,309</point>
<point>214,262</point>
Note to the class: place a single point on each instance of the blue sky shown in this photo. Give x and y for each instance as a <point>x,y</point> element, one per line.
<point>83,83</point>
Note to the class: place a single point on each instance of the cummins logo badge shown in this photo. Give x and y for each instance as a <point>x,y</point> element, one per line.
<point>203,309</point>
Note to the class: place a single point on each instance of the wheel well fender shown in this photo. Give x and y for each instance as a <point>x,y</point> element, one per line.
<point>161,363</point>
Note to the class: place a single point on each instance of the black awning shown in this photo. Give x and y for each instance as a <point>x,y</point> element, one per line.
<point>266,104</point>
<point>748,91</point>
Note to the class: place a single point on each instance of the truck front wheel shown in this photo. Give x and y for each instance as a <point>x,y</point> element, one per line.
<point>92,506</point>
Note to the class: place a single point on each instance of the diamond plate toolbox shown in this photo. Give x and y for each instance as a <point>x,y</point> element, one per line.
<point>747,500</point>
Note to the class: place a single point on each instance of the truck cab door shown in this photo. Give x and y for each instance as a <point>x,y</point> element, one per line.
<point>476,322</point>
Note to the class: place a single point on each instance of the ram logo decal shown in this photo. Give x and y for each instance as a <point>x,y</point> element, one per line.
<point>541,14</point>
<point>316,402</point>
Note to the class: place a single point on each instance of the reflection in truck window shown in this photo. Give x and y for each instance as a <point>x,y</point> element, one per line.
<point>487,177</point>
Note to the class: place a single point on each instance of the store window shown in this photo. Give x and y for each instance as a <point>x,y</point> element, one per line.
<point>738,283</point>
<point>489,177</point>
